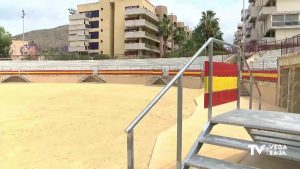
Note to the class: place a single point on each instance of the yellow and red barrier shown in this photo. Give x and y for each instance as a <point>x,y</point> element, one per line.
<point>260,75</point>
<point>224,87</point>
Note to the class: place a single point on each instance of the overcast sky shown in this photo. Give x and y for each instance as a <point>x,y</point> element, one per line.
<point>43,14</point>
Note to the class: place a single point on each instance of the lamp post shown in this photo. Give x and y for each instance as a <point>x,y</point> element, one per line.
<point>23,17</point>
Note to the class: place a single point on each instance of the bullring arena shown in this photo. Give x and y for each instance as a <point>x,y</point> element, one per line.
<point>61,122</point>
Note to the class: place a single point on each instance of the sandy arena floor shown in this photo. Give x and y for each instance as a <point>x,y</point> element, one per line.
<point>80,126</point>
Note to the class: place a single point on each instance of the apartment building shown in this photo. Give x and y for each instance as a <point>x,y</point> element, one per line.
<point>119,28</point>
<point>269,21</point>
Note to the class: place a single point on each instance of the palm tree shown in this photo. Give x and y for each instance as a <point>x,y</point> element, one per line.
<point>209,24</point>
<point>179,36</point>
<point>165,30</point>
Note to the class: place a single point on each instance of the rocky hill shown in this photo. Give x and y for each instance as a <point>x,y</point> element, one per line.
<point>46,39</point>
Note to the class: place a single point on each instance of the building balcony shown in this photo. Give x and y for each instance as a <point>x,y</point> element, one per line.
<point>141,11</point>
<point>78,49</point>
<point>248,33</point>
<point>254,34</point>
<point>78,27</point>
<point>78,16</point>
<point>140,22</point>
<point>79,22</point>
<point>249,26</point>
<point>141,46</point>
<point>79,32</point>
<point>265,12</point>
<point>247,14</point>
<point>240,25</point>
<point>73,38</point>
<point>141,34</point>
<point>254,10</point>
<point>79,43</point>
<point>93,51</point>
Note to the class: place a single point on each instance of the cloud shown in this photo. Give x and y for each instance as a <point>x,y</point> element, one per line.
<point>43,14</point>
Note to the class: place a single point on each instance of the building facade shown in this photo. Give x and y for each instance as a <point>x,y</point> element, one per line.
<point>269,21</point>
<point>119,28</point>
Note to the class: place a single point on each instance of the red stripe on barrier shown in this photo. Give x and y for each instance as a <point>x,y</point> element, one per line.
<point>221,97</point>
<point>222,69</point>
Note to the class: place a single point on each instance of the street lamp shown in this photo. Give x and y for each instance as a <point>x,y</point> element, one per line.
<point>23,17</point>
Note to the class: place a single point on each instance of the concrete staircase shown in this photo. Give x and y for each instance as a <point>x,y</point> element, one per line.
<point>266,128</point>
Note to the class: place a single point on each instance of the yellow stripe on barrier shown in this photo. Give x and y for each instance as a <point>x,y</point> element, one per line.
<point>221,83</point>
<point>271,75</point>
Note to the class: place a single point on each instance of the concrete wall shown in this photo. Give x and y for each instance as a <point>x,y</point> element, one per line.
<point>288,5</point>
<point>268,90</point>
<point>289,83</point>
<point>188,82</point>
<point>286,33</point>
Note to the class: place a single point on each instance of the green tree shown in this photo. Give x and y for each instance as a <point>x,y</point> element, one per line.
<point>208,27</point>
<point>5,42</point>
<point>179,36</point>
<point>165,30</point>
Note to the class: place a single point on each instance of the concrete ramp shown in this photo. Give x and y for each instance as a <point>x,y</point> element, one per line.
<point>92,79</point>
<point>15,79</point>
<point>158,81</point>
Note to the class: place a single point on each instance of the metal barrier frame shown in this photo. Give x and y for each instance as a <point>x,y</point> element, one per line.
<point>130,129</point>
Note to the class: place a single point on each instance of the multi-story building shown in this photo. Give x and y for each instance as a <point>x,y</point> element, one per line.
<point>269,20</point>
<point>119,28</point>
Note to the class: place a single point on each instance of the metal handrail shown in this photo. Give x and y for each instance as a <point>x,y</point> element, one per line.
<point>178,77</point>
<point>165,89</point>
<point>252,79</point>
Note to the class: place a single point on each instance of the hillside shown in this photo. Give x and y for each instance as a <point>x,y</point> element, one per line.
<point>48,38</point>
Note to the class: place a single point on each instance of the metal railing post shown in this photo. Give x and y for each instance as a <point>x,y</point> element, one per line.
<point>130,150</point>
<point>239,59</point>
<point>210,79</point>
<point>259,106</point>
<point>179,123</point>
<point>251,93</point>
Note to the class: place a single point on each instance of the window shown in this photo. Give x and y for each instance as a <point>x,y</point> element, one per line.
<point>94,46</point>
<point>94,24</point>
<point>94,35</point>
<point>94,14</point>
<point>285,20</point>
<point>278,18</point>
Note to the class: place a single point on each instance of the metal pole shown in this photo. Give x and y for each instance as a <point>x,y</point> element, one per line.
<point>251,93</point>
<point>210,80</point>
<point>130,150</point>
<point>179,123</point>
<point>244,20</point>
<point>239,58</point>
<point>23,17</point>
<point>259,107</point>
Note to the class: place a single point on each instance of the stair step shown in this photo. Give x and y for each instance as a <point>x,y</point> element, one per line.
<point>202,162</point>
<point>271,134</point>
<point>264,120</point>
<point>291,153</point>
<point>278,141</point>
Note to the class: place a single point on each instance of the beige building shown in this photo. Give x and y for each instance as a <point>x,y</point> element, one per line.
<point>269,20</point>
<point>119,28</point>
